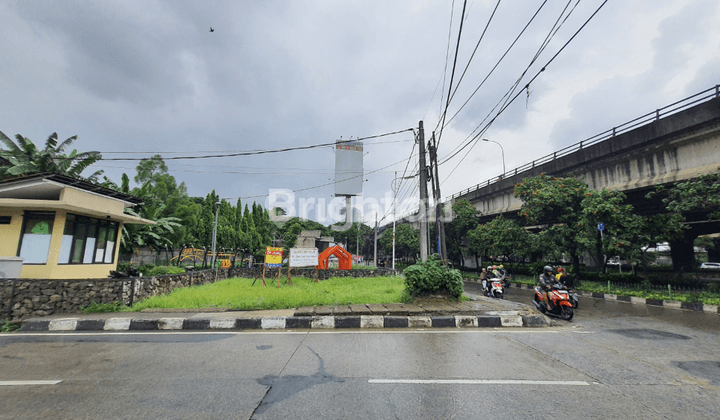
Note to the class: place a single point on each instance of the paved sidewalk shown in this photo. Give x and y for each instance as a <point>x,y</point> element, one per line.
<point>480,312</point>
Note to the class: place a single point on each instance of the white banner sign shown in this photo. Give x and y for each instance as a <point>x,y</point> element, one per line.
<point>303,257</point>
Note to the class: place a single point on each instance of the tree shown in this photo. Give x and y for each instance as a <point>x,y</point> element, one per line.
<point>24,158</point>
<point>551,200</point>
<point>407,241</point>
<point>501,237</point>
<point>456,232</point>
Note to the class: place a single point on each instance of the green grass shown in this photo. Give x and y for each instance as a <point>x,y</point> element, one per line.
<point>7,326</point>
<point>238,294</point>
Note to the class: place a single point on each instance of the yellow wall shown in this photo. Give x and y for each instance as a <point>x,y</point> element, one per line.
<point>10,238</point>
<point>10,234</point>
<point>93,202</point>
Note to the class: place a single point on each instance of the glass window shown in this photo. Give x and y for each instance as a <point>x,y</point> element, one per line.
<point>102,242</point>
<point>87,240</point>
<point>111,235</point>
<point>67,239</point>
<point>36,235</point>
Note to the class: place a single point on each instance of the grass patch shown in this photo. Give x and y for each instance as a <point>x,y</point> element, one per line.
<point>238,294</point>
<point>8,326</point>
<point>95,308</point>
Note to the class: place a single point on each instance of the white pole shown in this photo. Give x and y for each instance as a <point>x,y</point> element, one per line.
<point>393,254</point>
<point>217,210</point>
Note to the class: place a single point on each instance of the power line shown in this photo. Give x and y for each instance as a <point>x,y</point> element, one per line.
<point>323,185</point>
<point>452,73</point>
<point>261,152</point>
<point>510,101</point>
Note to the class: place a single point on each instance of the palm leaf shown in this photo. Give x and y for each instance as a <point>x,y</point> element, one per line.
<point>51,142</point>
<point>64,144</point>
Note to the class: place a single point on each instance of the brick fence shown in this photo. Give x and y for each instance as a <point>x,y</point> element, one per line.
<point>24,298</point>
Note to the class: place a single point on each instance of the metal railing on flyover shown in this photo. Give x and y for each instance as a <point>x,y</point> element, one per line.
<point>713,92</point>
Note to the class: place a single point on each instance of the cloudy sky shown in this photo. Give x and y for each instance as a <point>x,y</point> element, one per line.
<point>148,76</point>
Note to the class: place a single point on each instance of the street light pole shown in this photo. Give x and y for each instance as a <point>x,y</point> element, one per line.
<point>217,210</point>
<point>392,187</point>
<point>503,153</point>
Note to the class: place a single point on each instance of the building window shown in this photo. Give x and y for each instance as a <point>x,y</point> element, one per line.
<point>88,241</point>
<point>35,239</point>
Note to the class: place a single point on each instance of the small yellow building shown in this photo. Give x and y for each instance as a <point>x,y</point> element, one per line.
<point>62,227</point>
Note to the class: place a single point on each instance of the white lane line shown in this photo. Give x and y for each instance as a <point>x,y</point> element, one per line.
<point>476,382</point>
<point>22,383</point>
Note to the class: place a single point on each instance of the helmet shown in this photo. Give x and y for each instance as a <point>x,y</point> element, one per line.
<point>489,267</point>
<point>494,267</point>
<point>547,269</point>
<point>559,269</point>
<point>501,266</point>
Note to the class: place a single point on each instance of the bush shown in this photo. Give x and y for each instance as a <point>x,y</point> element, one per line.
<point>8,326</point>
<point>432,276</point>
<point>162,270</point>
<point>123,266</point>
<point>145,269</point>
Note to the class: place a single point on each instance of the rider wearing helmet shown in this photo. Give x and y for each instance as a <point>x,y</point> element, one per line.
<point>546,282</point>
<point>486,283</point>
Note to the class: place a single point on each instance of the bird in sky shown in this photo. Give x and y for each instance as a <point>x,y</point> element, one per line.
<point>211,29</point>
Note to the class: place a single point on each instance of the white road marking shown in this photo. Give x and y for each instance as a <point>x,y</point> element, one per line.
<point>476,382</point>
<point>25,383</point>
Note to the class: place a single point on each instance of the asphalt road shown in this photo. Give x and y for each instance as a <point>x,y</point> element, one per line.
<point>613,360</point>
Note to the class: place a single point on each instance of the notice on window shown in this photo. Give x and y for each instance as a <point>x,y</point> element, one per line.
<point>303,257</point>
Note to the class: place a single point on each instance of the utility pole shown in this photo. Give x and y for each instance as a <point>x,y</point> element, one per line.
<point>375,252</point>
<point>439,225</point>
<point>422,212</point>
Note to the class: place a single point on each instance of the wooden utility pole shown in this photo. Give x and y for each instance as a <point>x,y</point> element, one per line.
<point>422,212</point>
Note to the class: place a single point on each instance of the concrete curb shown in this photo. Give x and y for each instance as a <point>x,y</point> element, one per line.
<point>670,304</point>
<point>364,322</point>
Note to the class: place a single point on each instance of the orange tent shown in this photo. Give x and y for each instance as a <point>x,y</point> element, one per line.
<point>344,258</point>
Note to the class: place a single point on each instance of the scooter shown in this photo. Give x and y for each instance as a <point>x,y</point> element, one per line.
<point>496,289</point>
<point>562,306</point>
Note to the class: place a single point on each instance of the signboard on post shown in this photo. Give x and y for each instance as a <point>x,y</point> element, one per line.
<point>348,168</point>
<point>273,257</point>
<point>303,257</point>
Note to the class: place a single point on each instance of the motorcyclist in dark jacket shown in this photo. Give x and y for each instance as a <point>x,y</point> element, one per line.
<point>547,280</point>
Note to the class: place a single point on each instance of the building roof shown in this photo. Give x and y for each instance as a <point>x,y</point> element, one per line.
<point>48,189</point>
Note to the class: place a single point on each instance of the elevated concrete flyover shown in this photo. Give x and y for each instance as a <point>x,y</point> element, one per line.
<point>676,143</point>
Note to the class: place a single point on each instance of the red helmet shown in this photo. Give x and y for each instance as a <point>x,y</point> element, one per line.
<point>494,267</point>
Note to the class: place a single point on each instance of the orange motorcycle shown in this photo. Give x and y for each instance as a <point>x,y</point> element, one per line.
<point>560,298</point>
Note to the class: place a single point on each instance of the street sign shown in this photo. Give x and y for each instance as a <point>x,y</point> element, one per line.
<point>303,257</point>
<point>601,226</point>
<point>273,257</point>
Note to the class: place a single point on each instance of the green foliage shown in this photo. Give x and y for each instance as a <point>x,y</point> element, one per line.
<point>8,326</point>
<point>24,158</point>
<point>94,307</point>
<point>500,237</point>
<point>407,241</point>
<point>431,276</point>
<point>162,270</point>
<point>699,194</point>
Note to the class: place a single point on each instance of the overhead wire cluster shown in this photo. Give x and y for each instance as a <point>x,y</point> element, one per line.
<point>513,92</point>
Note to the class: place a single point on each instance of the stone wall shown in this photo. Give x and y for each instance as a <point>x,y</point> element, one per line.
<point>25,298</point>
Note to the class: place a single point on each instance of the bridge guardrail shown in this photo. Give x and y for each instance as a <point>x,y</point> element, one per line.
<point>713,92</point>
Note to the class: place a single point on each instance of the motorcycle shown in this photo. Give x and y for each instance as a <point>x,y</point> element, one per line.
<point>560,298</point>
<point>495,288</point>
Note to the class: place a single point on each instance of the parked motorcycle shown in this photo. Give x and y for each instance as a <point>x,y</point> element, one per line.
<point>560,298</point>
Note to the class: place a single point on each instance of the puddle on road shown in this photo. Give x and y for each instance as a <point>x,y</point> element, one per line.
<point>647,334</point>
<point>287,386</point>
<point>709,370</point>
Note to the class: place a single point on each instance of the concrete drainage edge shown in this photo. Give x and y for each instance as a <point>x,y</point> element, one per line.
<point>281,323</point>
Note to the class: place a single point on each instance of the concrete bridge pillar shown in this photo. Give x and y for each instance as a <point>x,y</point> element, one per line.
<point>682,250</point>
